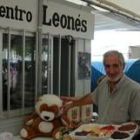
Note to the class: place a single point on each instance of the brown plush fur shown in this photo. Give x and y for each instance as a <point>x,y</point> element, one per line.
<point>44,121</point>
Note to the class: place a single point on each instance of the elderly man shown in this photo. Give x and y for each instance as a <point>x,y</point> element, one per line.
<point>117,96</point>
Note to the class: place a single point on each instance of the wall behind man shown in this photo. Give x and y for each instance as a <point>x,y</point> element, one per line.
<point>82,84</point>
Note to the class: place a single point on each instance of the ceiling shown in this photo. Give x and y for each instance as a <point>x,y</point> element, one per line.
<point>108,20</point>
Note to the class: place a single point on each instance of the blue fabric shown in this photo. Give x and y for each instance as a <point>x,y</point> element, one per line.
<point>132,70</point>
<point>97,70</point>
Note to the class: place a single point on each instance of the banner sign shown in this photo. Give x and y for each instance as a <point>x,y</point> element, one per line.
<point>57,18</point>
<point>19,14</point>
<point>66,20</point>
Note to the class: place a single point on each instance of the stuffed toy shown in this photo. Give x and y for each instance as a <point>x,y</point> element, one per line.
<point>46,120</point>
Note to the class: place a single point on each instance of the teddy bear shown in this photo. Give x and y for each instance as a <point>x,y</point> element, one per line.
<point>46,120</point>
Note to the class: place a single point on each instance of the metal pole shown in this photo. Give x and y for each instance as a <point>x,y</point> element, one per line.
<point>51,57</point>
<point>36,66</point>
<point>49,66</point>
<point>69,68</point>
<point>40,19</point>
<point>23,73</point>
<point>1,80</point>
<point>9,71</point>
<point>59,65</point>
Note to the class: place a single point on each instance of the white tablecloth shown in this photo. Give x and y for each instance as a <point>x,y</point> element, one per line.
<point>39,138</point>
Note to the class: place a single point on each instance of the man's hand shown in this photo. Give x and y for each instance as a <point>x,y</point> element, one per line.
<point>68,102</point>
<point>67,105</point>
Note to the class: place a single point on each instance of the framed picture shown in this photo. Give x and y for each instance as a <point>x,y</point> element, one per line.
<point>84,65</point>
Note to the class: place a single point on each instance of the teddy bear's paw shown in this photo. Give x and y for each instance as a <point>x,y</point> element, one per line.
<point>27,133</point>
<point>56,134</point>
<point>23,133</point>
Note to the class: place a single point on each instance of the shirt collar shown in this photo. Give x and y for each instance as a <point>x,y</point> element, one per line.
<point>120,82</point>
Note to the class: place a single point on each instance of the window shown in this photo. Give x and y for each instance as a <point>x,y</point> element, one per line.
<point>30,70</point>
<point>13,72</point>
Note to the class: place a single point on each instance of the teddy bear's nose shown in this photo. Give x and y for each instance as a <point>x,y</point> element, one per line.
<point>46,117</point>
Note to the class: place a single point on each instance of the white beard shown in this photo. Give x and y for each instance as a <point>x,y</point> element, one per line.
<point>115,79</point>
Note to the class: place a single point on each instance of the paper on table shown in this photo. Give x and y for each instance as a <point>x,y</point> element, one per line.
<point>6,136</point>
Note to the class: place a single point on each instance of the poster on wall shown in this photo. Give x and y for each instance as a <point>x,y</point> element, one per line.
<point>84,67</point>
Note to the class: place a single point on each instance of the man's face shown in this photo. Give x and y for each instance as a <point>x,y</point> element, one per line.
<point>113,68</point>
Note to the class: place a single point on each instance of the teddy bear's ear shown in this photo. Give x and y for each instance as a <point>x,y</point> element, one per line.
<point>38,99</point>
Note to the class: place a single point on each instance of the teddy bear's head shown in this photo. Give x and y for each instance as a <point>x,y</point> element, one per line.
<point>48,106</point>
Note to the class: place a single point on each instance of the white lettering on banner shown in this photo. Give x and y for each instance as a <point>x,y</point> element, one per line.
<point>15,13</point>
<point>65,21</point>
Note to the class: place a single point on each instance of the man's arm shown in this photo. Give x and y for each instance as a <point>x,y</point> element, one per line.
<point>87,99</point>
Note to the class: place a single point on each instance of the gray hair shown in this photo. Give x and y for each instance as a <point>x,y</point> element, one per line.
<point>114,52</point>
